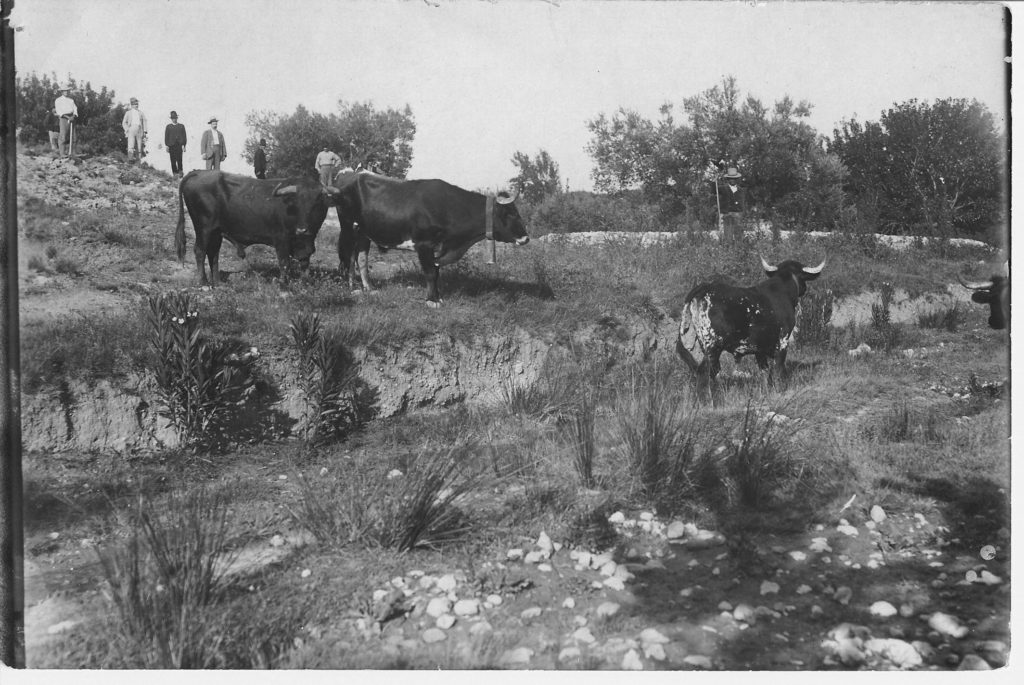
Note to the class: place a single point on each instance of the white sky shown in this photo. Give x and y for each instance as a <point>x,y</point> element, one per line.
<point>485,79</point>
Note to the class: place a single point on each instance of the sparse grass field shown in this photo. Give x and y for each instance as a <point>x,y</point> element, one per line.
<point>295,552</point>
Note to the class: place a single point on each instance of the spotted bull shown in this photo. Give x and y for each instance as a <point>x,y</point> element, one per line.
<point>285,214</point>
<point>438,220</point>
<point>994,292</point>
<point>758,320</point>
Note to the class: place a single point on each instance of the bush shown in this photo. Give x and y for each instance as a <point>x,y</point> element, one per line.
<point>582,211</point>
<point>98,127</point>
<point>944,318</point>
<point>815,317</point>
<point>164,580</point>
<point>399,511</point>
<point>761,463</point>
<point>197,382</point>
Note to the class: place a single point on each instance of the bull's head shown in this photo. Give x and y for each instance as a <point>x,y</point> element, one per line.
<point>306,204</point>
<point>508,225</point>
<point>994,292</point>
<point>795,270</point>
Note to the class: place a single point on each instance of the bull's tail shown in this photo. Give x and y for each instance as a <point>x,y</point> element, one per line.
<point>688,345</point>
<point>179,233</point>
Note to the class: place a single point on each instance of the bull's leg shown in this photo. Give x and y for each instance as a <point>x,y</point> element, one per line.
<point>213,256</point>
<point>199,250</point>
<point>346,250</point>
<point>361,260</point>
<point>431,272</point>
<point>283,248</point>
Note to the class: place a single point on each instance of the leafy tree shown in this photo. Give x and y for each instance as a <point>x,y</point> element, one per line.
<point>537,178</point>
<point>932,167</point>
<point>97,128</point>
<point>358,133</point>
<point>677,163</point>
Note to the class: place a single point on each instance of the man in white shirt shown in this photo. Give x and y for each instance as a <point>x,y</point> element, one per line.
<point>135,129</point>
<point>325,162</point>
<point>67,111</point>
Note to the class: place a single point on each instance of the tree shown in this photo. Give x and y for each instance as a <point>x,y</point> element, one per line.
<point>537,178</point>
<point>97,128</point>
<point>677,164</point>
<point>933,167</point>
<point>358,133</point>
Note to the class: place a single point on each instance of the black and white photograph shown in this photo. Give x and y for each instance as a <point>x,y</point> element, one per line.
<point>550,335</point>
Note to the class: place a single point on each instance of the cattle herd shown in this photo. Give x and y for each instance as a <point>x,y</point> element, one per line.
<point>440,222</point>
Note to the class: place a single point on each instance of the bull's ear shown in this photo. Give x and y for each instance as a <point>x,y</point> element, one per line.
<point>286,190</point>
<point>768,268</point>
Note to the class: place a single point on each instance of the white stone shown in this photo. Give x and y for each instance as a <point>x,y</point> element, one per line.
<point>447,583</point>
<point>394,473</point>
<point>495,600</point>
<point>609,568</point>
<point>652,636</point>
<point>744,613</point>
<point>568,653</point>
<point>698,661</point>
<point>878,514</point>
<point>725,605</point>
<point>514,554</point>
<point>607,609</point>
<point>843,595</point>
<point>438,606</point>
<point>646,516</point>
<point>535,557</point>
<point>617,517</point>
<point>431,635</point>
<point>883,609</point>
<point>820,545</point>
<point>445,622</point>
<point>569,603</point>
<point>277,541</point>
<point>947,625</point>
<point>631,661</point>
<point>599,560</point>
<point>973,662</point>
<point>583,558</point>
<point>378,595</point>
<point>532,612</point>
<point>584,635</point>
<point>480,628</point>
<point>467,607</point>
<point>675,530</point>
<point>798,555</point>
<point>306,573</point>
<point>614,583</point>
<point>847,529</point>
<point>544,542</point>
<point>803,589</point>
<point>899,652</point>
<point>654,651</point>
<point>769,588</point>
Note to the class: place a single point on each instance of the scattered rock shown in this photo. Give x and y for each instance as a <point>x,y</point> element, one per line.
<point>480,628</point>
<point>494,600</point>
<point>675,530</point>
<point>584,635</point>
<point>902,654</point>
<point>532,612</point>
<point>467,607</point>
<point>447,583</point>
<point>617,517</point>
<point>883,609</point>
<point>614,583</point>
<point>438,606</point>
<point>607,609</point>
<point>544,543</point>
<point>569,603</point>
<point>769,588</point>
<point>803,589</point>
<point>993,651</point>
<point>514,554</point>
<point>973,662</point>
<point>820,545</point>
<point>947,625</point>
<point>878,514</point>
<point>698,661</point>
<point>517,656</point>
<point>631,661</point>
<point>744,613</point>
<point>445,622</point>
<point>843,595</point>
<point>431,635</point>
<point>569,653</point>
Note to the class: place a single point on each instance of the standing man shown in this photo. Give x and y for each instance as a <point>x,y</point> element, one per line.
<point>175,139</point>
<point>135,130</point>
<point>259,160</point>
<point>733,202</point>
<point>324,165</point>
<point>212,145</point>
<point>67,111</point>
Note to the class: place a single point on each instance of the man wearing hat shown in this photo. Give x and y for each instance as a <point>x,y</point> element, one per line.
<point>732,201</point>
<point>212,145</point>
<point>259,160</point>
<point>175,139</point>
<point>66,111</point>
<point>135,129</point>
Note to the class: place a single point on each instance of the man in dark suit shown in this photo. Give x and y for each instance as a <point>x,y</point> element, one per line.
<point>175,140</point>
<point>732,201</point>
<point>259,160</point>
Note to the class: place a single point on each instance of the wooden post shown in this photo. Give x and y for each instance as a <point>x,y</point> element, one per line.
<point>12,541</point>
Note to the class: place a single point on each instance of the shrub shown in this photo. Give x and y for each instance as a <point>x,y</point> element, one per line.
<point>197,382</point>
<point>814,323</point>
<point>579,429</point>
<point>944,318</point>
<point>67,265</point>
<point>170,572</point>
<point>414,508</point>
<point>901,423</point>
<point>37,263</point>
<point>326,379</point>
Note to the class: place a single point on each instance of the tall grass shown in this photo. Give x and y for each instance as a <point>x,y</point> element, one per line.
<point>167,576</point>
<point>417,507</point>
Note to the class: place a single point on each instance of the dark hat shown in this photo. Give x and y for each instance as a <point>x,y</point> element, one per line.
<point>263,141</point>
<point>134,101</point>
<point>174,115</point>
<point>212,120</point>
<point>733,173</point>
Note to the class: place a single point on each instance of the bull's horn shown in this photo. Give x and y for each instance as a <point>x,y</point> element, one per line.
<point>975,285</point>
<point>815,269</point>
<point>287,190</point>
<point>505,198</point>
<point>768,267</point>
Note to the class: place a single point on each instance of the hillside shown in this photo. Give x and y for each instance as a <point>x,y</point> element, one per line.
<point>854,517</point>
